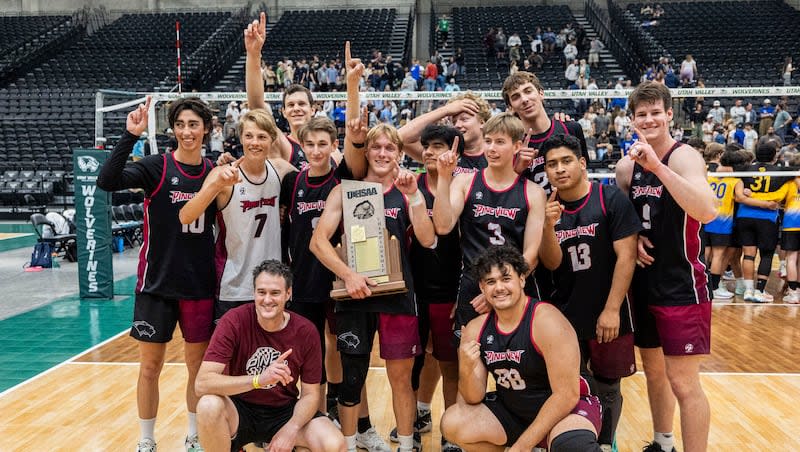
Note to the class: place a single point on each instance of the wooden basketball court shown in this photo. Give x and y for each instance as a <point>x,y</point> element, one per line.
<point>88,402</point>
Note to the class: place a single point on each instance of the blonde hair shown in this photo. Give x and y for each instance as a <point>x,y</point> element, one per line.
<point>262,119</point>
<point>384,129</point>
<point>484,112</point>
<point>505,123</point>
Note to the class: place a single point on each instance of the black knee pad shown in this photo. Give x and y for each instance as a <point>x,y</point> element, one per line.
<point>354,373</point>
<point>607,386</point>
<point>575,441</point>
<point>765,266</point>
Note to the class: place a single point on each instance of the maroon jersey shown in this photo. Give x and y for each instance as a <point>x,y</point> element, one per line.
<point>245,348</point>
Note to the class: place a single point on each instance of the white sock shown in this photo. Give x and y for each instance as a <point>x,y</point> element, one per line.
<point>192,424</point>
<point>666,440</point>
<point>350,442</point>
<point>406,442</point>
<point>421,407</point>
<point>748,284</point>
<point>147,428</point>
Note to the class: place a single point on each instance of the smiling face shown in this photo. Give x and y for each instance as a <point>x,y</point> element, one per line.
<point>527,102</point>
<point>500,149</point>
<point>471,126</point>
<point>383,156</point>
<point>297,109</point>
<point>652,120</point>
<point>502,287</point>
<point>189,131</point>
<point>255,141</point>
<point>318,147</point>
<point>564,169</point>
<point>271,295</point>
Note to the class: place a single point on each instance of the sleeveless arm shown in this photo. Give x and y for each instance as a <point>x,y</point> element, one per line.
<point>449,202</point>
<point>685,178</point>
<point>472,373</point>
<point>534,230</point>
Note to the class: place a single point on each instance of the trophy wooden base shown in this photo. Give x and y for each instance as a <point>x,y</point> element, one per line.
<point>391,283</point>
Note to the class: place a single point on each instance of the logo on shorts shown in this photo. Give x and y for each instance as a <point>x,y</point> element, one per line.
<point>349,339</point>
<point>88,164</point>
<point>413,349</point>
<point>174,180</point>
<point>144,329</point>
<point>582,413</point>
<point>688,348</point>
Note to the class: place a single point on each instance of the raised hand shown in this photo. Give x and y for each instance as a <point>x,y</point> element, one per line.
<point>462,106</point>
<point>553,209</point>
<point>255,35</point>
<point>405,181</point>
<point>358,127</point>
<point>469,350</point>
<point>227,175</point>
<point>355,68</point>
<point>642,153</point>
<point>277,372</point>
<point>525,154</point>
<point>137,119</point>
<point>447,162</point>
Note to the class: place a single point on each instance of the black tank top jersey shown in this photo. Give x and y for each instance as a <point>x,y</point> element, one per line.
<point>298,157</point>
<point>471,163</point>
<point>313,281</point>
<point>492,217</point>
<point>678,274</point>
<point>583,280</point>
<point>535,171</point>
<point>177,260</point>
<point>515,362</point>
<point>398,224</point>
<point>436,271</point>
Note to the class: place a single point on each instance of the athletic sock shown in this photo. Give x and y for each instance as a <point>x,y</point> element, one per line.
<point>422,407</point>
<point>350,442</point>
<point>406,442</point>
<point>715,281</point>
<point>748,284</point>
<point>147,428</point>
<point>761,284</point>
<point>665,440</point>
<point>364,424</point>
<point>192,424</point>
<point>794,285</point>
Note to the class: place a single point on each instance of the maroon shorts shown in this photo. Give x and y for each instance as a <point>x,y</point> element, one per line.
<point>612,360</point>
<point>398,334</point>
<point>155,317</point>
<point>444,347</point>
<point>685,329</point>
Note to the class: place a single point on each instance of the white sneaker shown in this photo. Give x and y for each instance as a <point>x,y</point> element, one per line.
<point>371,441</point>
<point>722,293</point>
<point>727,276</point>
<point>761,297</point>
<point>782,271</point>
<point>792,297</point>
<point>192,444</point>
<point>146,445</point>
<point>749,295</point>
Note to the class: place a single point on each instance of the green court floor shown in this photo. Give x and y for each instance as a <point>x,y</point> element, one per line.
<point>17,242</point>
<point>37,340</point>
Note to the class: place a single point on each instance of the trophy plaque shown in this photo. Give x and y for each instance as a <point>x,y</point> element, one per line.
<point>366,246</point>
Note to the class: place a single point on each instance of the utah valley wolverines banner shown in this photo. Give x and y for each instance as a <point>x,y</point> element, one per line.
<point>93,221</point>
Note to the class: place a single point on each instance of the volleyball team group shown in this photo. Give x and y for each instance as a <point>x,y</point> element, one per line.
<point>516,264</point>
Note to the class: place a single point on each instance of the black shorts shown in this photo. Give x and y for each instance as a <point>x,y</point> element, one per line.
<point>317,313</point>
<point>757,232</point>
<point>716,240</point>
<point>155,317</point>
<point>790,241</point>
<point>645,334</point>
<point>259,423</point>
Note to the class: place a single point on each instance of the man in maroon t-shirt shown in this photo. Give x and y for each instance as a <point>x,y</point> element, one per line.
<point>248,379</point>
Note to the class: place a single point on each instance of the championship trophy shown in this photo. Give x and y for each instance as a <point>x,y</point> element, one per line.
<point>366,246</point>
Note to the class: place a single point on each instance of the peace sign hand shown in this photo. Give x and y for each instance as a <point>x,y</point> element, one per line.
<point>137,119</point>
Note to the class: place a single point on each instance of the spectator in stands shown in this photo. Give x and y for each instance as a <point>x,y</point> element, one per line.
<point>417,72</point>
<point>782,120</point>
<point>602,122</point>
<point>514,47</point>
<point>443,27</point>
<point>595,47</point>
<point>738,135</point>
<point>587,125</point>
<point>770,137</point>
<point>708,128</point>
<point>408,84</point>
<point>670,79</point>
<point>688,70</point>
<point>766,116</point>
<point>572,72</point>
<point>268,74</point>
<point>717,112</point>
<point>697,117</point>
<point>244,108</point>
<point>677,133</point>
<point>460,61</point>
<point>536,61</point>
<point>138,148</point>
<point>621,124</point>
<point>549,40</point>
<point>737,112</point>
<point>488,42</point>
<point>786,72</point>
<point>431,73</point>
<point>603,147</point>
<point>750,115</point>
<point>536,41</point>
<point>333,75</point>
<point>494,110</point>
<point>232,112</point>
<point>453,69</point>
<point>451,86</point>
<point>289,71</point>
<point>570,52</point>
<point>500,43</point>
<point>513,68</point>
<point>217,140</point>
<point>626,144</point>
<point>750,137</point>
<point>796,129</point>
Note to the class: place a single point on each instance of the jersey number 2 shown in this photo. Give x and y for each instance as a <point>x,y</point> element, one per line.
<point>509,379</point>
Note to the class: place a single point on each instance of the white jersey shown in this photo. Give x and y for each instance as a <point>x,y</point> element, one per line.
<point>249,233</point>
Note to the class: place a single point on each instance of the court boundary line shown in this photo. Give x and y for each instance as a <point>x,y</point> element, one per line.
<point>63,363</point>
<point>755,304</point>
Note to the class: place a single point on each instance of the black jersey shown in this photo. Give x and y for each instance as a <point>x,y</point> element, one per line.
<point>436,271</point>
<point>516,363</point>
<point>586,233</point>
<point>313,280</point>
<point>471,163</point>
<point>177,260</point>
<point>535,171</point>
<point>678,274</point>
<point>298,157</point>
<point>398,224</point>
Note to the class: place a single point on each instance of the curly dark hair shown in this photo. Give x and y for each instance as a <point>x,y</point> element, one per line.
<point>499,256</point>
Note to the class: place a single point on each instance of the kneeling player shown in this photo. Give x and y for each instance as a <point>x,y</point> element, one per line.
<point>532,352</point>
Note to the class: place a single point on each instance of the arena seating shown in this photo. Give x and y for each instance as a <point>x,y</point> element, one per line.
<point>26,38</point>
<point>734,43</point>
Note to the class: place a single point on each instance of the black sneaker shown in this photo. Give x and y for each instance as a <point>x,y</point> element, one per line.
<point>423,423</point>
<point>447,446</point>
<point>655,447</point>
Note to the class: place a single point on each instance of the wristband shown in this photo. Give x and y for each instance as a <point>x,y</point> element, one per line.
<point>255,382</point>
<point>416,199</point>
<point>357,145</point>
